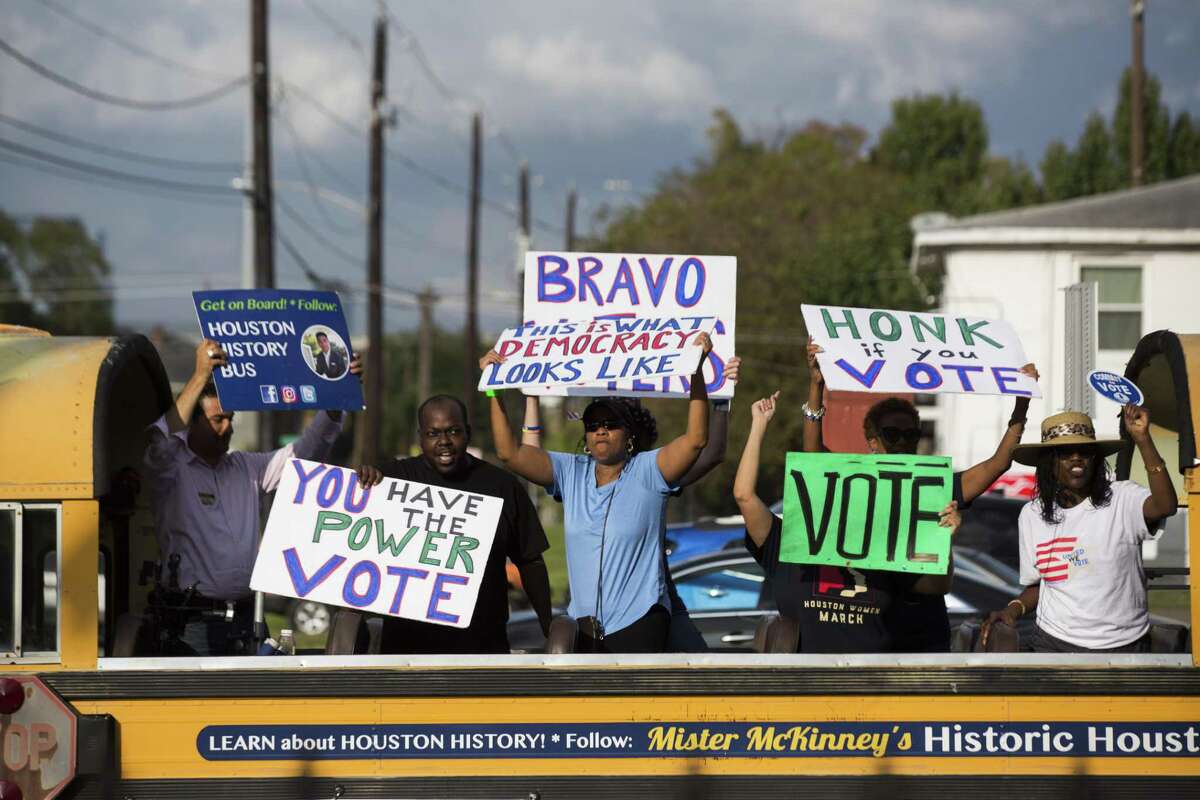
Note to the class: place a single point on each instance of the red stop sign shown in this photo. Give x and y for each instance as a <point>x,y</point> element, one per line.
<point>37,741</point>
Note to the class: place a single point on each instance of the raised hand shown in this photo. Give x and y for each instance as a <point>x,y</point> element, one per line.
<point>356,364</point>
<point>814,369</point>
<point>732,368</point>
<point>1137,422</point>
<point>762,411</point>
<point>209,356</point>
<point>489,358</point>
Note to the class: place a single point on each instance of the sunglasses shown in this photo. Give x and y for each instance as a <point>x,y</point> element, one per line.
<point>893,436</point>
<point>607,424</point>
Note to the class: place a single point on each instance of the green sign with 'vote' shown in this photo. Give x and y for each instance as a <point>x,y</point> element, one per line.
<point>866,511</point>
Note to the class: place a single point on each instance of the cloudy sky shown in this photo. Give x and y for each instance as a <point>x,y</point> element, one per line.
<point>602,96</point>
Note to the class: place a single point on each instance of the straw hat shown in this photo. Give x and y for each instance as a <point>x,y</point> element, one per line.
<point>1069,427</point>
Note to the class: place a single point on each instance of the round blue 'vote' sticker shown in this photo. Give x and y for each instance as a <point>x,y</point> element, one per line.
<point>1115,387</point>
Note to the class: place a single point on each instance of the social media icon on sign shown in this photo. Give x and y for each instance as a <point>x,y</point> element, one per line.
<point>308,394</point>
<point>289,394</point>
<point>269,394</point>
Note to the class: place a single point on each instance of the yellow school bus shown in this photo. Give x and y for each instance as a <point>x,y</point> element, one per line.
<point>77,721</point>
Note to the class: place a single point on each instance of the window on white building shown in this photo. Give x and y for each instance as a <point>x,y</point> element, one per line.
<point>1119,304</point>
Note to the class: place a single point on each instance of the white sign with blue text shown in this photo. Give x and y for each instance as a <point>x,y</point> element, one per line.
<point>399,548</point>
<point>562,287</point>
<point>899,352</point>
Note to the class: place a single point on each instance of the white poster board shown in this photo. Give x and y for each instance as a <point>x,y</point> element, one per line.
<point>593,352</point>
<point>898,352</point>
<point>401,548</point>
<point>571,286</point>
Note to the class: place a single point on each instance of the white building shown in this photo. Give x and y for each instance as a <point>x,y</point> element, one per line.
<point>1141,246</point>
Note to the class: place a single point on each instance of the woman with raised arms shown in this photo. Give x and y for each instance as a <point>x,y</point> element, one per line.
<point>613,497</point>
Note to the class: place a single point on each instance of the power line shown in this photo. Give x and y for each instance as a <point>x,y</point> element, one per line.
<point>341,32</point>
<point>326,284</point>
<point>112,183</point>
<point>296,217</point>
<point>131,46</point>
<point>413,45</point>
<point>84,144</point>
<point>302,161</point>
<point>112,99</point>
<point>104,172</point>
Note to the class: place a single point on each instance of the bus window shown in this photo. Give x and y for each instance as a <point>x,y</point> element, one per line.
<point>39,579</point>
<point>8,575</point>
<point>29,601</point>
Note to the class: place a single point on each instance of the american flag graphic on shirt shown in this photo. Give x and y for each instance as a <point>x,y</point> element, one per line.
<point>1050,562</point>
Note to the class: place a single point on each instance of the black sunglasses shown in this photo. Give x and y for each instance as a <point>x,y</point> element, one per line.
<point>607,424</point>
<point>894,436</point>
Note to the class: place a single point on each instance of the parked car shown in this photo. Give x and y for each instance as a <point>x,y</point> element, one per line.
<point>727,595</point>
<point>990,526</point>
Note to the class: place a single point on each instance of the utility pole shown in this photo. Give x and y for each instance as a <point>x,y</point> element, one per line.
<point>264,204</point>
<point>471,362</point>
<point>523,238</point>
<point>426,298</point>
<point>1137,129</point>
<point>569,242</point>
<point>374,416</point>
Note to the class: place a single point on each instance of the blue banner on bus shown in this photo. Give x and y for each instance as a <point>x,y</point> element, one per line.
<point>287,349</point>
<point>697,739</point>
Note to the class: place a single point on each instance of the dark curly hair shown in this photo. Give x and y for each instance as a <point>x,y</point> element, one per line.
<point>637,418</point>
<point>1099,491</point>
<point>881,409</point>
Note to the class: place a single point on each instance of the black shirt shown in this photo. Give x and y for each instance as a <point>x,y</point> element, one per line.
<point>919,623</point>
<point>840,610</point>
<point>519,537</point>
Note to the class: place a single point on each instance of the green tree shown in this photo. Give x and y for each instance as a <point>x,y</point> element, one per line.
<point>940,142</point>
<point>811,220</point>
<point>1156,125</point>
<point>53,275</point>
<point>1058,171</point>
<point>1183,148</point>
<point>1095,169</point>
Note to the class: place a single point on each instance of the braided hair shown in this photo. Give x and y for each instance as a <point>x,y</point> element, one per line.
<point>643,426</point>
<point>1099,491</point>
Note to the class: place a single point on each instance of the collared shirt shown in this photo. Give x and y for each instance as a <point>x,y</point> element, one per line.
<point>210,515</point>
<point>614,538</point>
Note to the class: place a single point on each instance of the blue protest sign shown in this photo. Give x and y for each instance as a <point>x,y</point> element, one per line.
<point>1115,387</point>
<point>287,349</point>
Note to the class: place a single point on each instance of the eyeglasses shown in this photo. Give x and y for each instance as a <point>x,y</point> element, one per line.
<point>607,424</point>
<point>894,436</point>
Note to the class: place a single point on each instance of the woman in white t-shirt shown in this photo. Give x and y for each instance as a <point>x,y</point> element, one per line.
<point>1081,538</point>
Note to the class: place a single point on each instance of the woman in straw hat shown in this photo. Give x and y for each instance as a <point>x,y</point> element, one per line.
<point>1081,537</point>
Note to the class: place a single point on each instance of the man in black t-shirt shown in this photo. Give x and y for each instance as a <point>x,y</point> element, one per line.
<point>839,609</point>
<point>444,461</point>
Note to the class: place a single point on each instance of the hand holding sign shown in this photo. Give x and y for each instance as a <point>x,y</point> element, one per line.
<point>1137,422</point>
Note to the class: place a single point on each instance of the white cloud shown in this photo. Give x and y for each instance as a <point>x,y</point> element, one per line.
<point>601,82</point>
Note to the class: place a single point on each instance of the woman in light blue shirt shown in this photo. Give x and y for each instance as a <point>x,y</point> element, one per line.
<point>613,497</point>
